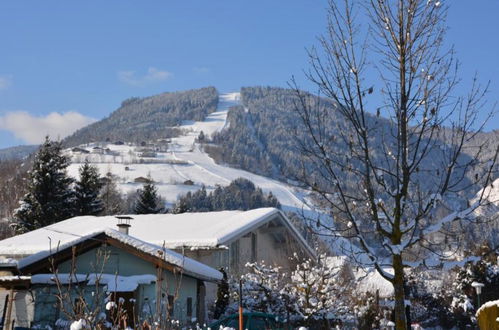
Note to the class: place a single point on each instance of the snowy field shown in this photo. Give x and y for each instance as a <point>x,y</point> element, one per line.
<point>180,162</point>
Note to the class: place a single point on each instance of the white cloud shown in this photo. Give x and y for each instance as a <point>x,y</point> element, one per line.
<point>201,69</point>
<point>153,75</point>
<point>5,81</point>
<point>33,129</point>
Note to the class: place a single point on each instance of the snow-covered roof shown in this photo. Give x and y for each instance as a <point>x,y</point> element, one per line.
<point>490,205</point>
<point>337,261</point>
<point>174,231</point>
<point>114,283</point>
<point>190,267</point>
<point>370,280</point>
<point>13,278</point>
<point>487,305</point>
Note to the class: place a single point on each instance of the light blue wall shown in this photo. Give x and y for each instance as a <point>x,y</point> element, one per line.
<point>117,262</point>
<point>124,264</point>
<point>47,304</point>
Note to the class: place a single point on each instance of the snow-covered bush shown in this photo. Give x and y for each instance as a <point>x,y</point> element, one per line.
<point>485,271</point>
<point>367,312</point>
<point>263,290</point>
<point>310,294</point>
<point>317,292</point>
<point>453,302</point>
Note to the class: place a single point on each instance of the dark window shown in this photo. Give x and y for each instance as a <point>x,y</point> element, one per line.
<point>189,307</point>
<point>234,255</point>
<point>170,305</point>
<point>79,307</point>
<point>253,247</point>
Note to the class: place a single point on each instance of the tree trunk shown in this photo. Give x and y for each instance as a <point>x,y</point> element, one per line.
<point>398,286</point>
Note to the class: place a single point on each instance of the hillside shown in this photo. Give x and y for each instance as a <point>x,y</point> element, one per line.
<point>264,131</point>
<point>17,152</point>
<point>251,134</point>
<point>153,117</point>
<point>179,165</point>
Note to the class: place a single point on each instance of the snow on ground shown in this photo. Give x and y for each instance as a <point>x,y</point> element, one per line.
<point>183,160</point>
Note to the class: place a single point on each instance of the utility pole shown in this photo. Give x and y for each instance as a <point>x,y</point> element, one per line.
<point>241,305</point>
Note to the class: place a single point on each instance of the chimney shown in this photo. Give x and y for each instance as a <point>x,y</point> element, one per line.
<point>124,224</point>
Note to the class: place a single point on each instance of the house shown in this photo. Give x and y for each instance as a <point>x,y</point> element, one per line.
<point>227,239</point>
<point>141,179</point>
<point>148,154</point>
<point>97,151</point>
<point>80,150</point>
<point>104,265</point>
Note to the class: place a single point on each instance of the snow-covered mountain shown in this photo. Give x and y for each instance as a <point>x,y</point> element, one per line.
<point>151,136</point>
<point>179,164</point>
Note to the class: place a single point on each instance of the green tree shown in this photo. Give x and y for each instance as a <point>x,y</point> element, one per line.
<point>223,296</point>
<point>87,199</point>
<point>148,200</point>
<point>49,198</point>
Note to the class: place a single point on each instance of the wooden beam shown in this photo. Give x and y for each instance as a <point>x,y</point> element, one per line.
<point>16,284</point>
<point>155,260</point>
<point>43,265</point>
<point>9,309</point>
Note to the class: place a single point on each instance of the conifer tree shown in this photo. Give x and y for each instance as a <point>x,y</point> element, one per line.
<point>182,204</point>
<point>49,198</point>
<point>148,200</point>
<point>87,199</point>
<point>223,296</point>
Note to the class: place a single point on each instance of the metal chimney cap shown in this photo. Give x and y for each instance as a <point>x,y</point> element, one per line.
<point>124,221</point>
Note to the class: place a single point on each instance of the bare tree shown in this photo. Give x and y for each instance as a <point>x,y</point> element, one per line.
<point>72,293</point>
<point>393,127</point>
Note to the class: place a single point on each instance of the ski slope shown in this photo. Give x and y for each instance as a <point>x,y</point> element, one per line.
<point>183,161</point>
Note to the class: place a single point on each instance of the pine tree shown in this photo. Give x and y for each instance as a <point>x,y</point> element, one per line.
<point>148,200</point>
<point>87,199</point>
<point>223,296</point>
<point>182,204</point>
<point>112,201</point>
<point>49,198</point>
<point>240,194</point>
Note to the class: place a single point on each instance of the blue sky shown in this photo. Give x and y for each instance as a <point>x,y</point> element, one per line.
<point>64,63</point>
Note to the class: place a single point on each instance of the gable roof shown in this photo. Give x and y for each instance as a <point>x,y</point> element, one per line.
<point>192,230</point>
<point>161,256</point>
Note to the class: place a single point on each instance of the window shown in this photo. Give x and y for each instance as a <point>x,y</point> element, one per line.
<point>79,306</point>
<point>170,305</point>
<point>234,255</point>
<point>253,248</point>
<point>189,307</point>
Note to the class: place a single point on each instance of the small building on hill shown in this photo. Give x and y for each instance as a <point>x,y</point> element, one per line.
<point>80,150</point>
<point>106,274</point>
<point>141,179</point>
